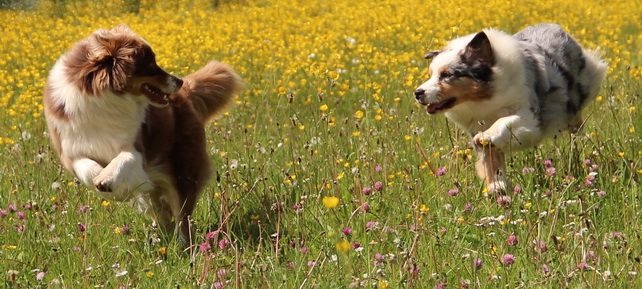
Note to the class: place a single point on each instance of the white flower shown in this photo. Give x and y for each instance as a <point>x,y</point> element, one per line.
<point>351,40</point>
<point>121,273</point>
<point>55,185</point>
<point>606,275</point>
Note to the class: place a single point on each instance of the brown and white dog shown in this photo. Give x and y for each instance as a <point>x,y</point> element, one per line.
<point>510,91</point>
<point>124,126</point>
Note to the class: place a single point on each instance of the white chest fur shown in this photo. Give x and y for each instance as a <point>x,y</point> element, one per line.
<point>105,126</point>
<point>98,127</point>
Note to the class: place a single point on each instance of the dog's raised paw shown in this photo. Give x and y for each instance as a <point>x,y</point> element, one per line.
<point>481,140</point>
<point>102,185</point>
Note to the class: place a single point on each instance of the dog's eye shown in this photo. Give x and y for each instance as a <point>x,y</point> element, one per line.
<point>445,75</point>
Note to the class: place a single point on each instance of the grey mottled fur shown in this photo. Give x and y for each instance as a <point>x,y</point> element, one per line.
<point>564,76</point>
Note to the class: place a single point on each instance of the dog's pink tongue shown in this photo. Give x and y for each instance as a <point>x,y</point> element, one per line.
<point>432,108</point>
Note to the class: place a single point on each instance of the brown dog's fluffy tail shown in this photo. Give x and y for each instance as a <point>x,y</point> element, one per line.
<point>211,89</point>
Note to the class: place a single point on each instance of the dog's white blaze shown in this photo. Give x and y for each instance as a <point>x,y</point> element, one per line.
<point>172,85</point>
<point>431,89</point>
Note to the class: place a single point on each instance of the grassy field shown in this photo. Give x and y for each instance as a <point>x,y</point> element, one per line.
<point>323,172</point>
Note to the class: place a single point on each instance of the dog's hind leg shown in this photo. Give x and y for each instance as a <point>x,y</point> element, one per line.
<point>490,167</point>
<point>162,214</point>
<point>575,123</point>
<point>165,201</point>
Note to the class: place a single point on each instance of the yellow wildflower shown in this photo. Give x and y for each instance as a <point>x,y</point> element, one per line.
<point>343,246</point>
<point>330,202</point>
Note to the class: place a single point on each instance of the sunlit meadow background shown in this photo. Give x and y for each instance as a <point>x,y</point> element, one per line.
<point>327,174</point>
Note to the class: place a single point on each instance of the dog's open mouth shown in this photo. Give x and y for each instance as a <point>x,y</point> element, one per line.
<point>156,96</point>
<point>441,105</point>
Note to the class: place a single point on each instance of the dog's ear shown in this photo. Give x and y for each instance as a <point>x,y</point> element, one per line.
<point>108,61</point>
<point>479,50</point>
<point>431,54</point>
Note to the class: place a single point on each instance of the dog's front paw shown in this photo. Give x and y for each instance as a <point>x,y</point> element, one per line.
<point>103,182</point>
<point>481,140</point>
<point>121,186</point>
<point>485,139</point>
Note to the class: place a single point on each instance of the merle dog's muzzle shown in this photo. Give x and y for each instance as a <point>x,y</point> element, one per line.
<point>420,96</point>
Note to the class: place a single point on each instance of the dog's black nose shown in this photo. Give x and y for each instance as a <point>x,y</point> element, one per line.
<point>179,82</point>
<point>419,93</point>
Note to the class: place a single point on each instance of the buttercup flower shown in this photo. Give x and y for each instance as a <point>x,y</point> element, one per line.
<point>330,202</point>
<point>343,246</point>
